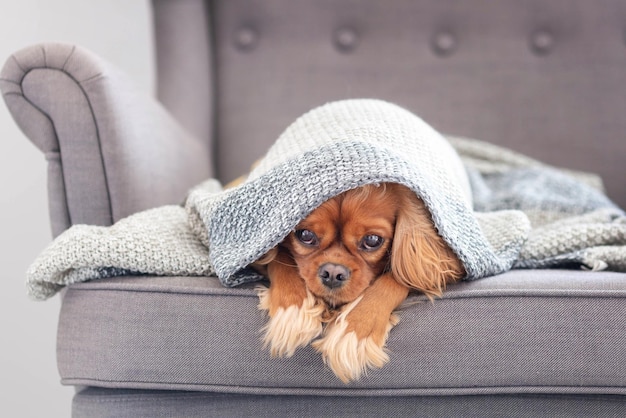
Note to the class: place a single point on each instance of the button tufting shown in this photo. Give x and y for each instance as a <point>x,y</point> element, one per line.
<point>444,43</point>
<point>346,39</point>
<point>542,42</point>
<point>246,38</point>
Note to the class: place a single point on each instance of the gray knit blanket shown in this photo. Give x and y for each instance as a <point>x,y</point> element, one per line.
<point>498,210</point>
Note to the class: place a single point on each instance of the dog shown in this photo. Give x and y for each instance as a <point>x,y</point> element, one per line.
<point>337,278</point>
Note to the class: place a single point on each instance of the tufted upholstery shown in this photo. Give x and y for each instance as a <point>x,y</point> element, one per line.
<point>544,78</point>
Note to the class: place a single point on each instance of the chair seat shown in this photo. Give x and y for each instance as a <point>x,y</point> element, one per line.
<point>525,331</point>
<point>97,402</point>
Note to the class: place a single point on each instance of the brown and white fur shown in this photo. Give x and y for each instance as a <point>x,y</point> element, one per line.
<point>344,270</point>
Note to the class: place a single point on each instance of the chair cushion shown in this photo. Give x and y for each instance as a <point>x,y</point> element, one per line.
<point>525,331</point>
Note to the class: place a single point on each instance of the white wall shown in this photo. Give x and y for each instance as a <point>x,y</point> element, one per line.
<point>119,31</point>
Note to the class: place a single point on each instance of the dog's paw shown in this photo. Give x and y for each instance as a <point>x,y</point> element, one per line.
<point>351,346</point>
<point>292,327</point>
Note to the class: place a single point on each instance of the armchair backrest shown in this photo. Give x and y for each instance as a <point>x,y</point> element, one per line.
<point>544,78</point>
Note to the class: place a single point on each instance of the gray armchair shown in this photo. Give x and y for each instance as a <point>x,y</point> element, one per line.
<point>543,78</point>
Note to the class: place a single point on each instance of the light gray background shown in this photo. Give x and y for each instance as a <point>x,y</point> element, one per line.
<point>119,31</point>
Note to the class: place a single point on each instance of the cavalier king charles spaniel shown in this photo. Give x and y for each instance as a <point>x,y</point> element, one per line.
<point>336,280</point>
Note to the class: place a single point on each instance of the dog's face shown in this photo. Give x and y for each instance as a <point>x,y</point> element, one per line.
<point>343,245</point>
<point>353,238</point>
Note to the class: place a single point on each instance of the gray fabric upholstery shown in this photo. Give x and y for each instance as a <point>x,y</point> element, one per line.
<point>111,151</point>
<point>182,36</point>
<point>541,77</point>
<point>537,331</point>
<point>97,403</point>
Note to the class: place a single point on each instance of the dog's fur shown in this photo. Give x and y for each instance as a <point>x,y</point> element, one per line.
<point>377,242</point>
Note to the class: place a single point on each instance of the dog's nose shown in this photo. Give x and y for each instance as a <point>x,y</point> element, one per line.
<point>333,275</point>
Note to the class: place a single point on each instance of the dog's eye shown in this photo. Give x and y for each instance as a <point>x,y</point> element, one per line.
<point>371,242</point>
<point>307,237</point>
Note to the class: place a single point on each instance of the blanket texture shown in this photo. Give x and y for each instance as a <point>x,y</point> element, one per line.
<point>496,209</point>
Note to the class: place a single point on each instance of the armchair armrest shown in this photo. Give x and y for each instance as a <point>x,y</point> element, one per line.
<point>111,151</point>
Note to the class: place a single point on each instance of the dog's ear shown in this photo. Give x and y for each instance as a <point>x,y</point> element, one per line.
<point>268,257</point>
<point>260,266</point>
<point>420,258</point>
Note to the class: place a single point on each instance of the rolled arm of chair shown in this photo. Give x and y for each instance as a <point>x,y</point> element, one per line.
<point>111,150</point>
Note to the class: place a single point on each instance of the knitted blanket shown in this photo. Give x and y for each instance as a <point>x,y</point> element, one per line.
<point>496,209</point>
